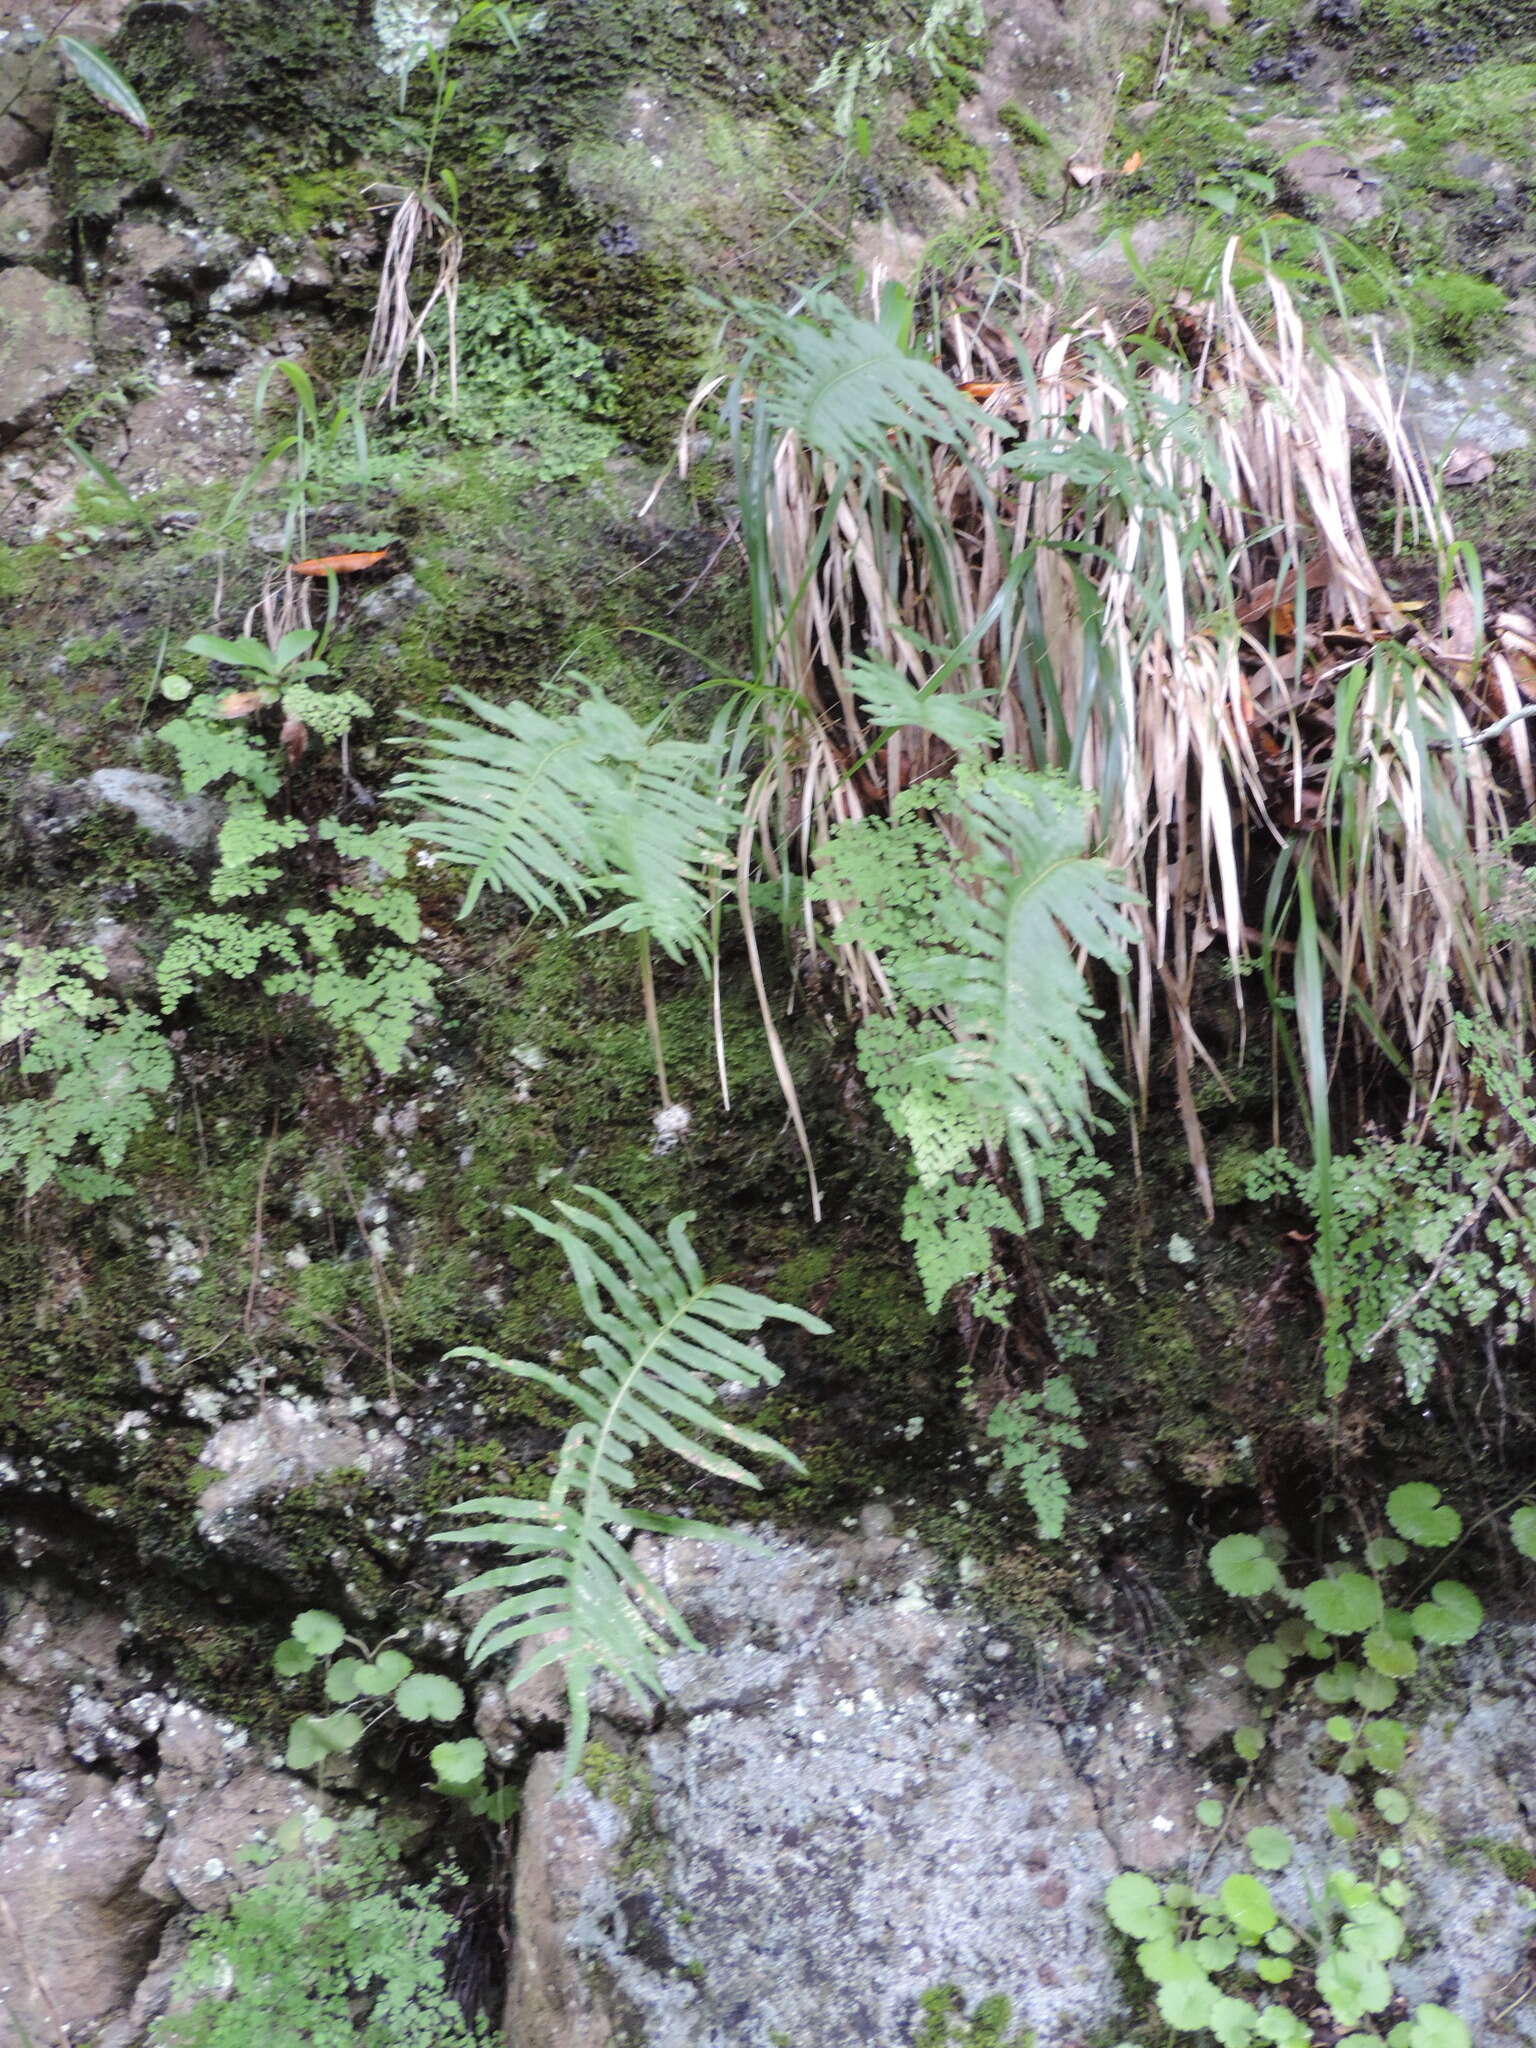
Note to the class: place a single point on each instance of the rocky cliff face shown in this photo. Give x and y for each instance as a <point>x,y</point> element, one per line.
<point>222,1396</point>
<point>861,1791</point>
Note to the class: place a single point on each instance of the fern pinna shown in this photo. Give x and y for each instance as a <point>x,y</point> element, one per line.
<point>665,1341</point>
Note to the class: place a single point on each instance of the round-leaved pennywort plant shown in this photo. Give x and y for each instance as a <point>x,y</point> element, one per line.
<point>369,1686</point>
<point>1231,1963</point>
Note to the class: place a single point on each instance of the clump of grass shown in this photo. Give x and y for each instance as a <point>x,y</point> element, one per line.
<point>1140,553</point>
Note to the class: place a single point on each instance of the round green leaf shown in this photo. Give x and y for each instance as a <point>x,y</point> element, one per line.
<point>1209,1813</point>
<point>1386,1653</point>
<point>1383,1552</point>
<point>319,1632</point>
<point>372,1682</point>
<point>1522,1531</point>
<point>1270,1848</point>
<point>1391,1859</point>
<point>1416,1512</point>
<point>175,688</point>
<point>1135,1905</point>
<point>291,1659</point>
<point>1433,2027</point>
<point>313,1738</point>
<point>428,1696</point>
<point>1375,1693</point>
<point>1385,1744</point>
<point>394,1667</point>
<point>1230,2021</point>
<point>1281,1939</point>
<point>1275,1969</point>
<point>1248,1742</point>
<point>1266,1664</point>
<point>1374,1930</point>
<point>1338,1685</point>
<point>1353,1985</point>
<point>1241,1565</point>
<point>1342,1823</point>
<point>1345,1606</point>
<point>1452,1613</point>
<point>1188,2004</point>
<point>459,1765</point>
<point>1291,1636</point>
<point>1248,1906</point>
<point>1215,1952</point>
<point>1391,1805</point>
<point>1340,1727</point>
<point>341,1681</point>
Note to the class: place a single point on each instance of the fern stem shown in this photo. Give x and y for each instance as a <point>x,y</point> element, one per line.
<point>652,1020</point>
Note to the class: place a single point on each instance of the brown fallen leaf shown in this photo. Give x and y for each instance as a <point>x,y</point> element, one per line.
<point>295,738</point>
<point>1084,174</point>
<point>1132,164</point>
<point>1466,464</point>
<point>241,703</point>
<point>1461,627</point>
<point>980,390</point>
<point>1266,597</point>
<point>338,565</point>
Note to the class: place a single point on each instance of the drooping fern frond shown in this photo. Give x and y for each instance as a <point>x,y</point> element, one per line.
<point>978,900</point>
<point>560,809</point>
<point>665,1342</point>
<point>1010,982</point>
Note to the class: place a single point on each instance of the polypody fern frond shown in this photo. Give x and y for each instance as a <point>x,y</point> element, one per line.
<point>664,1341</point>
<point>559,810</point>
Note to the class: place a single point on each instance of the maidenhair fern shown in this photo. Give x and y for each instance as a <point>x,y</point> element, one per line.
<point>1031,1431</point>
<point>665,1342</point>
<point>89,1070</point>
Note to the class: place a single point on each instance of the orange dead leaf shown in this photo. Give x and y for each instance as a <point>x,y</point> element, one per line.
<point>980,390</point>
<point>241,703</point>
<point>295,738</point>
<point>338,565</point>
<point>1132,164</point>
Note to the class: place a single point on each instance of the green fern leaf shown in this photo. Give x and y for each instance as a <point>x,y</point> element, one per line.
<point>664,1343</point>
<point>559,811</point>
<point>1012,987</point>
<point>845,385</point>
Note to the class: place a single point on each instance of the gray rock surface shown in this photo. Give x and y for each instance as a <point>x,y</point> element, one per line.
<point>262,1457</point>
<point>1489,405</point>
<point>121,1806</point>
<point>856,1794</point>
<point>45,344</point>
<point>29,225</point>
<point>188,821</point>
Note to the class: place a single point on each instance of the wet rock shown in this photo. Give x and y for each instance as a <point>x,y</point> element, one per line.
<point>189,822</point>
<point>80,1931</point>
<point>1343,188</point>
<point>828,1827</point>
<point>252,285</point>
<point>284,1445</point>
<point>45,345</point>
<point>176,258</point>
<point>1490,404</point>
<point>30,76</point>
<point>567,1853</point>
<point>121,1809</point>
<point>29,225</point>
<point>311,278</point>
<point>1085,260</point>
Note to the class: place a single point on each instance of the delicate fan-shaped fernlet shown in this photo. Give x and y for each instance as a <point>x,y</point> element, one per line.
<point>561,810</point>
<point>664,1343</point>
